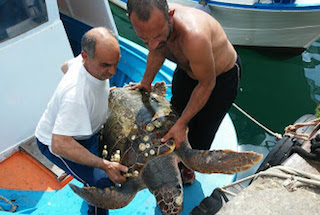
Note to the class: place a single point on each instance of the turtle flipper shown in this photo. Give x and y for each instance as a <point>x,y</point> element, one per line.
<point>170,199</point>
<point>159,88</point>
<point>108,198</point>
<point>161,175</point>
<point>218,161</point>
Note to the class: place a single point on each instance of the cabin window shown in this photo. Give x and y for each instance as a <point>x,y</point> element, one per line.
<point>19,16</point>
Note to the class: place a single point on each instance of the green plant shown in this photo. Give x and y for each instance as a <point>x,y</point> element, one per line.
<point>318,111</point>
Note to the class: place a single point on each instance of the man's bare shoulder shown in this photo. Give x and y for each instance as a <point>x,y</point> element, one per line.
<point>195,44</point>
<point>174,5</point>
<point>195,20</point>
<point>192,34</point>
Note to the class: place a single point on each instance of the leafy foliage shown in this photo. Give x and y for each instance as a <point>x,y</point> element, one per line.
<point>318,111</point>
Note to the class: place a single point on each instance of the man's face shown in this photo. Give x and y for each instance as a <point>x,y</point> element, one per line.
<point>155,32</point>
<point>103,65</point>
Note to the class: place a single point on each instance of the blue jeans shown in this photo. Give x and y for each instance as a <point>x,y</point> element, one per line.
<point>87,175</point>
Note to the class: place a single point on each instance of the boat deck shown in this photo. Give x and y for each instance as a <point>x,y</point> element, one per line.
<point>47,195</point>
<point>35,175</point>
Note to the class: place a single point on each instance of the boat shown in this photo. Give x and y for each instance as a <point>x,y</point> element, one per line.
<point>32,48</point>
<point>278,24</point>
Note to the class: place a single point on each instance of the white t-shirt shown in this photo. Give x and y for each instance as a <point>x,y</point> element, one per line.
<point>78,107</point>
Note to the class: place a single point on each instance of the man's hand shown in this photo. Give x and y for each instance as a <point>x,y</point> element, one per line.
<point>112,88</point>
<point>113,170</point>
<point>67,147</point>
<point>178,132</point>
<point>142,86</point>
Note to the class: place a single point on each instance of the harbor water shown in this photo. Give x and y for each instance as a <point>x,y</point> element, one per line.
<point>276,89</point>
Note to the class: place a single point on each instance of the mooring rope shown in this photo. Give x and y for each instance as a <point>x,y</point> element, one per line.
<point>13,207</point>
<point>289,173</point>
<point>277,135</point>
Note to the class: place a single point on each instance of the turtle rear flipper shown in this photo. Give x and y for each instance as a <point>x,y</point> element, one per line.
<point>218,161</point>
<point>159,88</point>
<point>108,198</point>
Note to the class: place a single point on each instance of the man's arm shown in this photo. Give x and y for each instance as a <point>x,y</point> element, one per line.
<point>65,67</point>
<point>201,60</point>
<point>154,62</point>
<point>67,147</point>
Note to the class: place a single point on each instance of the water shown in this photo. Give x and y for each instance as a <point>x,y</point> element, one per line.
<point>276,89</point>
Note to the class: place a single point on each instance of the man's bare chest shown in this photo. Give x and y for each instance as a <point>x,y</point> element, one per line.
<point>175,54</point>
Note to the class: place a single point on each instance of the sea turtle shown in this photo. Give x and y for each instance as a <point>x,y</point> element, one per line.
<point>132,136</point>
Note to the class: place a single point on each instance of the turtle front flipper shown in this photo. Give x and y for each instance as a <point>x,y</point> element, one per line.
<point>218,161</point>
<point>110,197</point>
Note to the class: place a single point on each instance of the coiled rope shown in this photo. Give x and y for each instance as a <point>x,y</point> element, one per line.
<point>13,207</point>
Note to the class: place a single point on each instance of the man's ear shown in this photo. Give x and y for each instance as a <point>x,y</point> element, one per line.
<point>171,12</point>
<point>84,55</point>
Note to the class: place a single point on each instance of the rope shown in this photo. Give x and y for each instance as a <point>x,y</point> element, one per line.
<point>277,135</point>
<point>291,130</point>
<point>291,173</point>
<point>131,84</point>
<point>291,176</point>
<point>13,207</point>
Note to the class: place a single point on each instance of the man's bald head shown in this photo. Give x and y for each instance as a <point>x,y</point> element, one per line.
<point>94,36</point>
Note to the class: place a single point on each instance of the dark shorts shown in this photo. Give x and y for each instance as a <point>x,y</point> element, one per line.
<point>204,125</point>
<point>87,175</point>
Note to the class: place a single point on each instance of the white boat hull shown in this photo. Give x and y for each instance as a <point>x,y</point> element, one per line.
<point>122,4</point>
<point>268,28</point>
<point>30,72</point>
<point>247,26</point>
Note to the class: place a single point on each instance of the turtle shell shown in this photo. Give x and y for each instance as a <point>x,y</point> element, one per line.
<point>132,133</point>
<point>137,122</point>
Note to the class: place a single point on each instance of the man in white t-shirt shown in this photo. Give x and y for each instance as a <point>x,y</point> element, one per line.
<point>67,131</point>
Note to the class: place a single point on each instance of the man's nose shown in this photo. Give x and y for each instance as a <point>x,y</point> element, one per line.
<point>113,70</point>
<point>153,44</point>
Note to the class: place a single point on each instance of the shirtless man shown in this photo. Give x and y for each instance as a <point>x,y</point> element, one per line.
<point>208,69</point>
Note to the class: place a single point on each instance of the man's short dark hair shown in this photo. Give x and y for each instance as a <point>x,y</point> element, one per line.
<point>88,44</point>
<point>143,8</point>
<point>89,40</point>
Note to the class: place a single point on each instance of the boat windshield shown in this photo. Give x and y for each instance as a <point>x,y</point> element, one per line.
<point>19,16</point>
